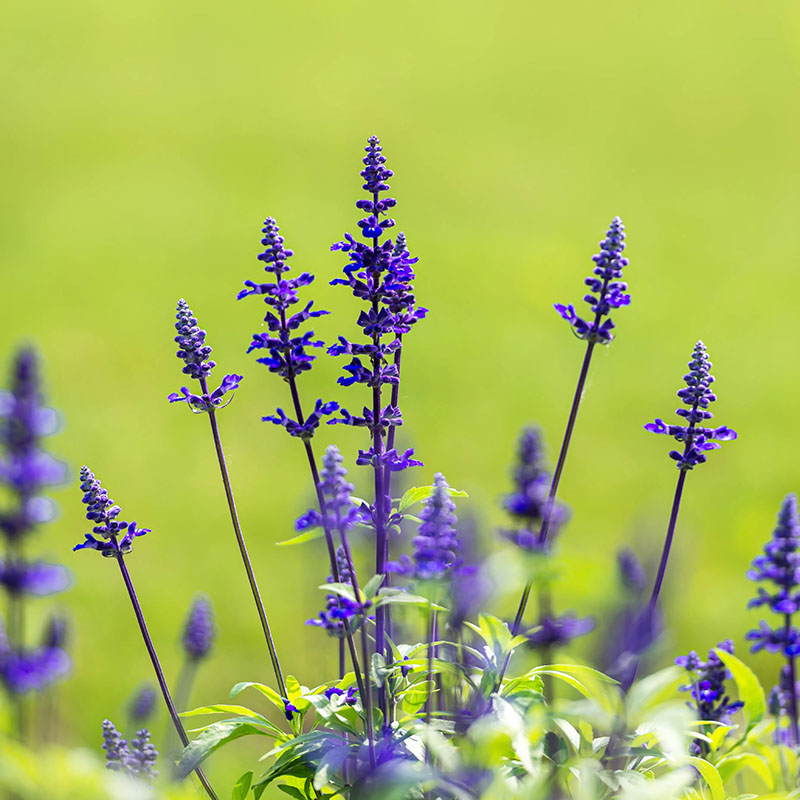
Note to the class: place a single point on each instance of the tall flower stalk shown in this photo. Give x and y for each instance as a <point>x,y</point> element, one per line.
<point>288,357</point>
<point>779,565</point>
<point>697,440</point>
<point>378,272</point>
<point>194,352</point>
<point>27,470</point>
<point>116,540</point>
<point>606,292</point>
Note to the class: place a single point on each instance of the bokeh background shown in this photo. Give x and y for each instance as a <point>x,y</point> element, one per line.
<point>142,145</point>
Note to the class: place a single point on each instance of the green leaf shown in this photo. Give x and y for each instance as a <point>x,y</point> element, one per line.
<point>242,711</point>
<point>293,688</point>
<point>710,776</point>
<point>374,583</point>
<point>302,538</point>
<point>292,791</point>
<point>750,691</point>
<point>267,691</point>
<point>212,739</point>
<point>242,786</point>
<point>730,766</point>
<point>342,589</point>
<point>391,595</point>
<point>420,493</point>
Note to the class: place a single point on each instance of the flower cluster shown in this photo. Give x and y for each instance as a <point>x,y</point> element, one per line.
<point>136,759</point>
<point>27,471</point>
<point>779,565</point>
<point>528,502</point>
<point>606,290</point>
<point>341,615</point>
<point>380,274</point>
<point>287,349</point>
<point>697,394</point>
<point>198,632</point>
<point>194,352</point>
<point>116,536</point>
<point>556,631</point>
<point>436,545</point>
<point>707,687</point>
<point>142,704</point>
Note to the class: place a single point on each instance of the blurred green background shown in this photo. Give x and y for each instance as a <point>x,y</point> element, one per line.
<point>143,144</point>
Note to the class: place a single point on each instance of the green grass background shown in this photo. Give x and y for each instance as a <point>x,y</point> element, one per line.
<point>142,145</point>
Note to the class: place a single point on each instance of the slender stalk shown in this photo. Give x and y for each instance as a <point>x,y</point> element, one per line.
<point>673,518</point>
<point>791,663</point>
<point>162,681</point>
<point>431,655</point>
<point>237,529</point>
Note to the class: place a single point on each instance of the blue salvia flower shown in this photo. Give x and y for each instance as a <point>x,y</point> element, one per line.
<point>116,536</point>
<point>194,352</point>
<point>24,670</point>
<point>34,578</point>
<point>198,633</point>
<point>115,746</point>
<point>380,274</point>
<point>341,512</point>
<point>288,350</point>
<point>142,756</point>
<point>779,566</point>
<point>631,572</point>
<point>558,631</point>
<point>707,688</point>
<point>606,290</point>
<point>527,504</point>
<point>436,546</point>
<point>341,615</point>
<point>142,704</point>
<point>697,439</point>
<point>136,759</point>
<point>25,467</point>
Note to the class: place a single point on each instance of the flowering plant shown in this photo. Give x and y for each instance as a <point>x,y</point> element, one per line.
<point>437,695</point>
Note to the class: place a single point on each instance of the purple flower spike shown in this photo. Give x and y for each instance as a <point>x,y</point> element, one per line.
<point>116,536</point>
<point>528,502</point>
<point>552,631</point>
<point>198,633</point>
<point>707,689</point>
<point>35,578</point>
<point>194,352</point>
<point>696,438</point>
<point>436,546</point>
<point>142,704</point>
<point>136,759</point>
<point>287,350</point>
<point>606,290</point>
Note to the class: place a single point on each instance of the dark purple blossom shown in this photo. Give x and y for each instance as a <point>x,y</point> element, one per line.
<point>436,545</point>
<point>36,578</point>
<point>31,670</point>
<point>198,632</point>
<point>142,704</point>
<point>528,502</point>
<point>707,688</point>
<point>696,438</point>
<point>287,350</point>
<point>558,631</point>
<point>341,615</point>
<point>349,697</point>
<point>194,352</point>
<point>631,571</point>
<point>606,290</point>
<point>136,759</point>
<point>779,568</point>
<point>116,535</point>
<point>25,468</point>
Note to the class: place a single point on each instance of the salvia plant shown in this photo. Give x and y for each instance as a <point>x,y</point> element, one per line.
<point>437,694</point>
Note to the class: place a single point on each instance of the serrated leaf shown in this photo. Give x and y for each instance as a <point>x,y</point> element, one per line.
<point>242,786</point>
<point>302,538</point>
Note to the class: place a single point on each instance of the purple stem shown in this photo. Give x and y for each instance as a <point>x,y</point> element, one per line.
<point>790,661</point>
<point>162,681</point>
<point>673,518</point>
<point>237,529</point>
